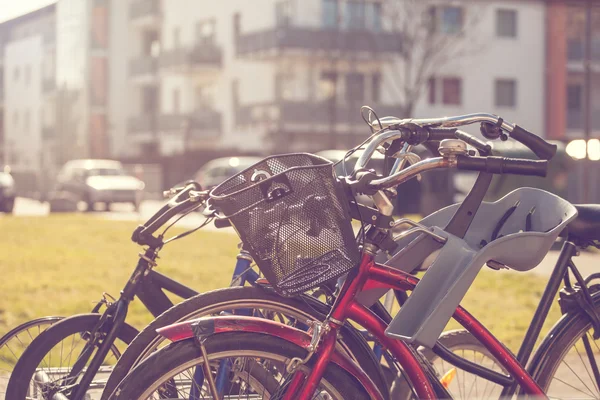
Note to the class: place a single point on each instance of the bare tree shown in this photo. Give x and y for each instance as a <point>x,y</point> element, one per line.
<point>429,42</point>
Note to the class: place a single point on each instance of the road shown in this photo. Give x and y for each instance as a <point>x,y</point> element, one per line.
<point>123,212</point>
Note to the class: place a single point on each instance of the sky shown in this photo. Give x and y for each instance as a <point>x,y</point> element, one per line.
<point>13,8</point>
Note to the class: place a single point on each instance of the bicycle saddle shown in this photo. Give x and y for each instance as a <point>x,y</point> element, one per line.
<point>587,224</point>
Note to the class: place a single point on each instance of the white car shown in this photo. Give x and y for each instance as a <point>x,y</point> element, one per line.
<point>98,181</point>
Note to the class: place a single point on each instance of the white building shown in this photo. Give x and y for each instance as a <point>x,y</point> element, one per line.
<point>27,69</point>
<point>145,76</point>
<point>260,75</point>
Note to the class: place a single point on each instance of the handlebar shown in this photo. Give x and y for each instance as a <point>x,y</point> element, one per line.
<point>539,146</point>
<point>503,165</point>
<point>420,131</point>
<point>186,199</point>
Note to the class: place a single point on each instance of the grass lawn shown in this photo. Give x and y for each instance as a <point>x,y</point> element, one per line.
<point>60,265</point>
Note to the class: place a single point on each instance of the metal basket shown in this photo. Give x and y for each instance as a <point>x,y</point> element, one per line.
<point>292,217</point>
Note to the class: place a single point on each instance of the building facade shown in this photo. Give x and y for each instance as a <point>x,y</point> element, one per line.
<point>126,79</point>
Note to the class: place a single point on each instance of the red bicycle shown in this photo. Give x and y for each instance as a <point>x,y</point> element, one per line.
<point>294,219</point>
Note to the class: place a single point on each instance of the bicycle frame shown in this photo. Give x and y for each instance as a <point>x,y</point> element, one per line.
<point>367,275</point>
<point>346,307</point>
<point>149,286</point>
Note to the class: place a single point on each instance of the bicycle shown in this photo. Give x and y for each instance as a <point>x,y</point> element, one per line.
<point>149,289</point>
<point>287,363</point>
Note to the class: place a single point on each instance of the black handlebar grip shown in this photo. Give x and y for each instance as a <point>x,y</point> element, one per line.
<point>525,167</point>
<point>539,146</point>
<point>503,165</point>
<point>438,134</point>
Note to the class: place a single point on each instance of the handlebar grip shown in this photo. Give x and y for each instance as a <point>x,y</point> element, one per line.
<point>539,146</point>
<point>503,165</point>
<point>439,134</point>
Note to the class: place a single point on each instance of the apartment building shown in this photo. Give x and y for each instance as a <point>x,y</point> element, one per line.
<point>27,89</point>
<point>272,75</point>
<point>153,76</point>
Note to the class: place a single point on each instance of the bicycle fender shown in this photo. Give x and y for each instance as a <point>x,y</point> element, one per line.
<point>208,326</point>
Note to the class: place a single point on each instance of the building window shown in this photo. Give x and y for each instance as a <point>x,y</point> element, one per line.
<point>282,13</point>
<point>27,74</point>
<point>176,100</point>
<point>574,95</point>
<point>176,37</point>
<point>328,85</point>
<point>355,15</point>
<point>150,100</point>
<point>237,24</point>
<point>205,31</point>
<point>452,91</point>
<point>431,90</point>
<point>355,87</point>
<point>374,19</point>
<point>26,121</point>
<point>506,23</point>
<point>376,88</point>
<point>446,19</point>
<point>330,13</point>
<point>506,93</point>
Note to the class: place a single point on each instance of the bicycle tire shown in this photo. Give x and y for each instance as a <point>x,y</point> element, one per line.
<point>10,355</point>
<point>462,343</point>
<point>161,364</point>
<point>35,353</point>
<point>558,343</point>
<point>201,304</point>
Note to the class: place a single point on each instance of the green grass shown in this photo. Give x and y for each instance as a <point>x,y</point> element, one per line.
<point>60,265</point>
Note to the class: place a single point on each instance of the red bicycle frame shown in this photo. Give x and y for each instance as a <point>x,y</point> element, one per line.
<point>370,275</point>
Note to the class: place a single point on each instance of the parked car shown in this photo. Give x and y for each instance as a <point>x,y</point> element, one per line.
<point>98,181</point>
<point>7,192</point>
<point>216,171</point>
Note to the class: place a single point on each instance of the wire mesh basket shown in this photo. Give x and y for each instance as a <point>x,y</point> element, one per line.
<point>292,217</point>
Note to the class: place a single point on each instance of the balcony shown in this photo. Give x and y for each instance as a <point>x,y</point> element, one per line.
<point>141,124</point>
<point>202,123</point>
<point>145,13</point>
<point>202,58</point>
<point>312,116</point>
<point>143,69</point>
<point>575,120</point>
<point>273,42</point>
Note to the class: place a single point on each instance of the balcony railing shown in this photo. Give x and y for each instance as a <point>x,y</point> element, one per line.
<point>143,66</point>
<point>202,54</point>
<point>575,119</point>
<point>144,8</point>
<point>141,124</point>
<point>309,113</point>
<point>198,123</point>
<point>290,38</point>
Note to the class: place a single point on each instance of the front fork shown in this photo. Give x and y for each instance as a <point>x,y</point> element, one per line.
<point>241,274</point>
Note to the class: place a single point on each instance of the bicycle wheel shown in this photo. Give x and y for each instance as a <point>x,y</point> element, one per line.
<point>251,300</point>
<point>257,370</point>
<point>15,342</point>
<point>566,363</point>
<point>48,364</point>
<point>461,384</point>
